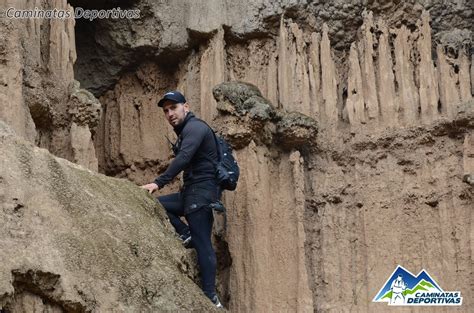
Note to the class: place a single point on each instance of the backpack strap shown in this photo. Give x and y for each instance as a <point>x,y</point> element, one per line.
<point>174,146</point>
<point>219,152</point>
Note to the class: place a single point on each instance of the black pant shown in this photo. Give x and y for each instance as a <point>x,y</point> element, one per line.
<point>194,206</point>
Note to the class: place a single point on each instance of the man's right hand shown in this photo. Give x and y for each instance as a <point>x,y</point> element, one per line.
<point>150,187</point>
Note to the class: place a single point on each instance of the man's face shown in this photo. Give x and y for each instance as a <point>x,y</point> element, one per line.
<point>175,112</point>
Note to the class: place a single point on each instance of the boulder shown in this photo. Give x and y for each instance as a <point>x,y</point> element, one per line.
<point>77,241</point>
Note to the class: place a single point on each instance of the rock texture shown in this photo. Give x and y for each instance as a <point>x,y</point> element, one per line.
<point>271,273</point>
<point>38,94</point>
<point>404,81</point>
<point>347,209</point>
<point>131,136</point>
<point>250,117</point>
<point>272,165</point>
<point>396,78</point>
<point>77,241</point>
<point>380,201</point>
<point>352,122</point>
<point>167,31</point>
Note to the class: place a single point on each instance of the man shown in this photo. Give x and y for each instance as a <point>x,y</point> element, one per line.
<point>398,287</point>
<point>196,155</point>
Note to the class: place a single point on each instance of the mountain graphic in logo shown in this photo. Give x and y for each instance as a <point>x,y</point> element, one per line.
<point>404,288</point>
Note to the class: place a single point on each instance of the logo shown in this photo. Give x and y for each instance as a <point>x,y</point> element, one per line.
<point>404,288</point>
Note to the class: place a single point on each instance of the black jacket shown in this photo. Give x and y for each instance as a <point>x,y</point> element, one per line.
<point>196,155</point>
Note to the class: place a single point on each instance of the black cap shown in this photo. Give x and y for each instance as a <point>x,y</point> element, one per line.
<point>174,96</point>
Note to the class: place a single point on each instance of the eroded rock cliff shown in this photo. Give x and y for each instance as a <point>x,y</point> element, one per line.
<point>352,123</point>
<point>297,209</point>
<point>38,94</point>
<point>331,219</point>
<point>76,241</point>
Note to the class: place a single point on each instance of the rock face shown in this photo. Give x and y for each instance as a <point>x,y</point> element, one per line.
<point>76,241</point>
<point>335,213</point>
<point>166,31</point>
<point>271,164</point>
<point>383,200</point>
<point>391,76</point>
<point>38,94</point>
<point>352,123</point>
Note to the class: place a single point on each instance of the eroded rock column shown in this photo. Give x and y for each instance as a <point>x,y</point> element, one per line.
<point>212,73</point>
<point>429,95</point>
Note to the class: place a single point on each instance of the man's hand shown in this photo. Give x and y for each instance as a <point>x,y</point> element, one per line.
<point>150,187</point>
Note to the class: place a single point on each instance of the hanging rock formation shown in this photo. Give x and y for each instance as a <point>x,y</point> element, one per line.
<point>250,117</point>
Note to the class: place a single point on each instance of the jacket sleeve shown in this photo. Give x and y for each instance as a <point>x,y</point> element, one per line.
<point>192,136</point>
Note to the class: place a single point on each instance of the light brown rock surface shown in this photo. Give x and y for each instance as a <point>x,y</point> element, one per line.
<point>323,229</point>
<point>318,222</point>
<point>360,98</point>
<point>405,85</point>
<point>38,95</point>
<point>378,201</point>
<point>76,241</point>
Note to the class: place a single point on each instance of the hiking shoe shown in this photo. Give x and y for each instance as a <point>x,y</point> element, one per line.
<point>186,239</point>
<point>216,302</point>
